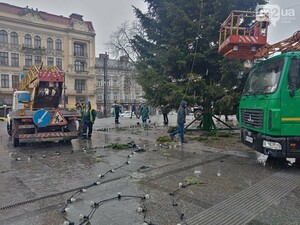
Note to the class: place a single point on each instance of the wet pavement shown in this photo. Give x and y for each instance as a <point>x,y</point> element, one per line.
<point>189,184</point>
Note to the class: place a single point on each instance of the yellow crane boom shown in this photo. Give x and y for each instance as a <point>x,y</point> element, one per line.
<point>29,77</point>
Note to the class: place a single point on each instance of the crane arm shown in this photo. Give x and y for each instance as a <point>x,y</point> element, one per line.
<point>289,44</point>
<point>30,76</point>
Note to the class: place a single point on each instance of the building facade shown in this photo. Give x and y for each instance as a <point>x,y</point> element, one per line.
<point>116,81</point>
<point>29,36</point>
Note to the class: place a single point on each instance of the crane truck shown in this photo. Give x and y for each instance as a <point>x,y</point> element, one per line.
<point>268,112</point>
<point>36,115</point>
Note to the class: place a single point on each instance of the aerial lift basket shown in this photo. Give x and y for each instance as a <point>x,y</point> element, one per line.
<point>242,34</point>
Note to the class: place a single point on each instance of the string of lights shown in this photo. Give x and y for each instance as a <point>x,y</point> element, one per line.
<point>95,206</point>
<point>175,204</point>
<point>57,153</point>
<point>89,150</point>
<point>85,219</point>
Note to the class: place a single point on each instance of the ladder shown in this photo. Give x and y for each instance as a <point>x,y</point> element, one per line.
<point>30,76</point>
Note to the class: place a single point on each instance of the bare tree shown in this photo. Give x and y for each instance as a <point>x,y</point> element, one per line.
<point>120,42</point>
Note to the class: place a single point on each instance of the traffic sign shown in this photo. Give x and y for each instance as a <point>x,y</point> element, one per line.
<point>41,118</point>
<point>58,119</point>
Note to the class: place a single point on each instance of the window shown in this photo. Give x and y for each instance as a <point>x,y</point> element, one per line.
<point>14,59</point>
<point>99,83</point>
<point>27,41</point>
<point>99,97</point>
<point>58,45</point>
<point>49,43</point>
<point>115,83</point>
<point>78,49</point>
<point>28,60</point>
<point>265,78</point>
<point>14,38</point>
<point>3,36</point>
<point>4,81</point>
<point>115,96</point>
<point>37,42</point>
<point>79,66</point>
<point>294,75</point>
<point>4,58</point>
<point>15,81</point>
<point>37,59</point>
<point>66,100</point>
<point>79,86</point>
<point>59,63</point>
<point>50,61</point>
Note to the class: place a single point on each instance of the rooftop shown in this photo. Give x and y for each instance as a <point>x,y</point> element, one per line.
<point>68,21</point>
<point>122,63</point>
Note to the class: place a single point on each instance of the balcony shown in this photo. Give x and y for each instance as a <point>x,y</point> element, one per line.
<point>26,67</point>
<point>80,55</point>
<point>6,91</point>
<point>29,49</point>
<point>4,64</point>
<point>54,52</point>
<point>80,92</point>
<point>81,74</point>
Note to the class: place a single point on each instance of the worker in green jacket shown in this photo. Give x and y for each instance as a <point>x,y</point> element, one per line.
<point>89,117</point>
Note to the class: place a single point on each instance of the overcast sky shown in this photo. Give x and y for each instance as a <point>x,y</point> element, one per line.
<point>286,21</point>
<point>107,15</point>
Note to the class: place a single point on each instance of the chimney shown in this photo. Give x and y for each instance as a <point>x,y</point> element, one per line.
<point>76,16</point>
<point>124,59</point>
<point>103,56</point>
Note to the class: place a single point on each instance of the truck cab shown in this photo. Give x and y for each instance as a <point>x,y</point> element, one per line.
<point>269,112</point>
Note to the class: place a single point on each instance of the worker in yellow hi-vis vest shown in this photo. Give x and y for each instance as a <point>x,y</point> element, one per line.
<point>89,117</point>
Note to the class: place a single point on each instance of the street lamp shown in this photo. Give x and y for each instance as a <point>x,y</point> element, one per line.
<point>105,83</point>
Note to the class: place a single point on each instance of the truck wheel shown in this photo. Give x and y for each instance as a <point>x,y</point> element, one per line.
<point>16,142</point>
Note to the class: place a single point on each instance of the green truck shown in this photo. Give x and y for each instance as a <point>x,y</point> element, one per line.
<point>269,109</point>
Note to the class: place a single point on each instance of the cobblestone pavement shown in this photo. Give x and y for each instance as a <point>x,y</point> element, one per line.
<point>189,184</point>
